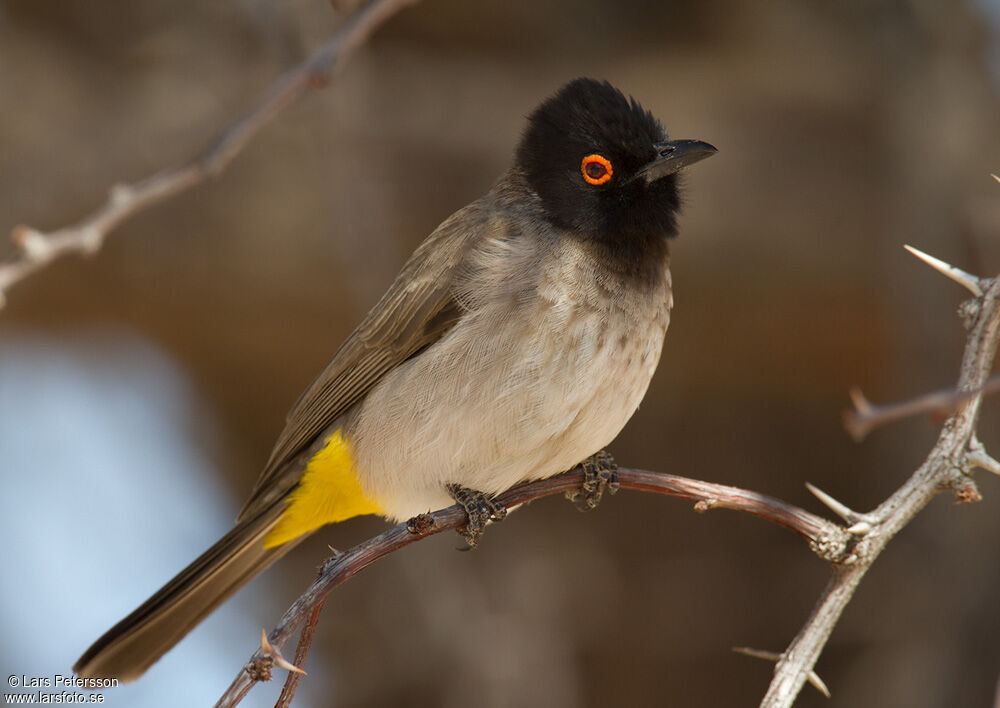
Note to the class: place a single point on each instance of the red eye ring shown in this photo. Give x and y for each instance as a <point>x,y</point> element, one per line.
<point>596,169</point>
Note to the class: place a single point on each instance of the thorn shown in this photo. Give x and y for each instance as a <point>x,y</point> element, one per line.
<point>267,650</point>
<point>995,177</point>
<point>814,680</point>
<point>978,457</point>
<point>857,430</point>
<point>966,280</point>
<point>861,404</point>
<point>758,653</point>
<point>860,523</point>
<point>841,510</point>
<point>984,461</point>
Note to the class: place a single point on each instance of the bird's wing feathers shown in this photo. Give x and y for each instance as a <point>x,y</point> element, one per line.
<point>416,311</point>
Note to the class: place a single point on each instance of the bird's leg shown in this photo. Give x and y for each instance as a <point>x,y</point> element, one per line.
<point>479,508</point>
<point>600,474</point>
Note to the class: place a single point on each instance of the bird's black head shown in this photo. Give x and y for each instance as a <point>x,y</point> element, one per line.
<point>602,165</point>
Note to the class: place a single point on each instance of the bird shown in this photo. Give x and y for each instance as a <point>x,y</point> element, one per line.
<point>515,344</point>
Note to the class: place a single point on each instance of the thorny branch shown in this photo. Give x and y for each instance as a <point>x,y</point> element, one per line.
<point>826,537</point>
<point>948,466</point>
<point>305,641</point>
<point>36,249</point>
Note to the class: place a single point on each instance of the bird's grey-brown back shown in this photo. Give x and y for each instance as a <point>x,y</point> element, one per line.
<point>554,349</point>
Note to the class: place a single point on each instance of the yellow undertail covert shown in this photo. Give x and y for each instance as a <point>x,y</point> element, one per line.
<point>328,492</point>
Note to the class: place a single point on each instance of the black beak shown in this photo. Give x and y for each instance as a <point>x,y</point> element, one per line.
<point>673,155</point>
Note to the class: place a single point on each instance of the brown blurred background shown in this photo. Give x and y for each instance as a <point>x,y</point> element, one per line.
<point>845,130</point>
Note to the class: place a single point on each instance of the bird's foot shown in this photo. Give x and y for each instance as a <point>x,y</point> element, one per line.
<point>480,510</point>
<point>600,474</point>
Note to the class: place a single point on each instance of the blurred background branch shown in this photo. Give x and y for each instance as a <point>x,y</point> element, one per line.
<point>37,249</point>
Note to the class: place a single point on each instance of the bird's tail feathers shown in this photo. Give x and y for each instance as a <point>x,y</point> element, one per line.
<point>133,645</point>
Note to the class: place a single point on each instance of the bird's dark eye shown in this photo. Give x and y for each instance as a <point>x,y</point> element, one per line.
<point>596,169</point>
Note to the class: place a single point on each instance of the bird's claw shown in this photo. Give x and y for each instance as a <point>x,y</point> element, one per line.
<point>479,510</point>
<point>600,474</point>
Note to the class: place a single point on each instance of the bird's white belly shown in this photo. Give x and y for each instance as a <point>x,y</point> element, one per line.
<point>503,398</point>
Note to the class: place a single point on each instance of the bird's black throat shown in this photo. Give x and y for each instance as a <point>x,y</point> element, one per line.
<point>626,217</point>
<point>640,260</point>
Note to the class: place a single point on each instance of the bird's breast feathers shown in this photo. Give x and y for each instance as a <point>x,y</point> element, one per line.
<point>544,368</point>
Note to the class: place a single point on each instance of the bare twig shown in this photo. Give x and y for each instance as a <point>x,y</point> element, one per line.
<point>948,466</point>
<point>867,416</point>
<point>827,538</point>
<point>36,249</point>
<point>301,651</point>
